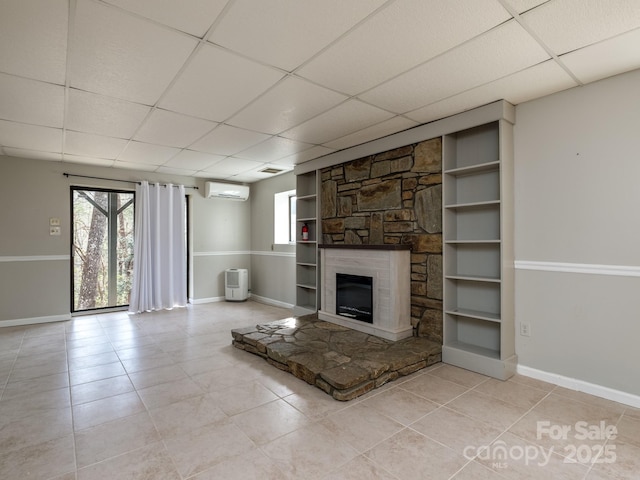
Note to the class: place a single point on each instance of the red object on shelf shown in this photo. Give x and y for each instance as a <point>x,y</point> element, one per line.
<point>305,232</point>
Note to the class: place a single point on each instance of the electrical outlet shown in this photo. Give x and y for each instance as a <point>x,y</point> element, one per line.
<point>54,231</point>
<point>525,329</point>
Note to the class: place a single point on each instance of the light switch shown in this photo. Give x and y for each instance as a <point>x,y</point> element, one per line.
<point>54,230</point>
<point>54,221</point>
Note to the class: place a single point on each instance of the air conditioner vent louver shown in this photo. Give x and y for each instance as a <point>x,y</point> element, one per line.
<point>271,170</point>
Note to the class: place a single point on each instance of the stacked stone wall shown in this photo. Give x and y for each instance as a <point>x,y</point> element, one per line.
<point>394,197</point>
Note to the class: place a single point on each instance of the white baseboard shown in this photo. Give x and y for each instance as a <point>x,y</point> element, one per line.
<point>35,320</point>
<point>255,298</point>
<point>270,301</point>
<point>198,301</point>
<point>581,386</point>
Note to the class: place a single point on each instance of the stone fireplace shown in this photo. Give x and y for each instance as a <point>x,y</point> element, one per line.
<point>389,269</point>
<point>389,199</point>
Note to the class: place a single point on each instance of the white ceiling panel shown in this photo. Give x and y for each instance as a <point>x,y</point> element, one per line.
<point>274,149</point>
<point>342,120</point>
<point>233,166</point>
<point>216,84</point>
<point>194,17</point>
<point>499,52</point>
<point>521,6</point>
<point>138,152</point>
<point>176,171</point>
<point>135,166</point>
<point>33,39</point>
<point>124,56</point>
<point>247,177</point>
<point>190,160</point>
<point>382,129</point>
<point>610,57</point>
<point>102,115</point>
<point>227,140</point>
<point>546,78</point>
<point>257,174</point>
<point>305,155</point>
<point>285,33</point>
<point>173,129</point>
<point>571,24</point>
<point>88,145</point>
<point>100,162</point>
<point>398,38</point>
<point>288,104</point>
<point>31,101</point>
<point>36,155</point>
<point>234,85</point>
<point>30,137</point>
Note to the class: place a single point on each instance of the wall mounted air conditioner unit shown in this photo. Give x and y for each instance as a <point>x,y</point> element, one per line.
<point>226,190</point>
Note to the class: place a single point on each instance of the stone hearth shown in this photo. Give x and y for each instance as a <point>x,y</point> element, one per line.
<point>340,361</point>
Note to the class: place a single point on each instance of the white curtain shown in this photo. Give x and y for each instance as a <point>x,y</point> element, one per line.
<point>160,256</point>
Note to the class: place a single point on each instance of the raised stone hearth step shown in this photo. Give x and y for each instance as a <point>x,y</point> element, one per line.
<point>342,362</point>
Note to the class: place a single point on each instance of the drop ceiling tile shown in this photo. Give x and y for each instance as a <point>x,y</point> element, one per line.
<point>611,57</point>
<point>135,166</point>
<point>304,156</point>
<point>421,30</point>
<point>232,166</point>
<point>176,171</point>
<point>31,101</point>
<point>190,160</point>
<point>100,162</point>
<point>288,104</point>
<point>118,54</point>
<point>571,24</point>
<point>227,140</point>
<point>33,154</point>
<point>216,84</point>
<point>102,115</point>
<point>382,129</point>
<point>173,129</point>
<point>139,152</point>
<point>257,174</point>
<point>88,145</point>
<point>273,149</point>
<point>194,17</point>
<point>249,177</point>
<point>521,6</point>
<point>33,39</point>
<point>30,137</point>
<point>346,118</point>
<point>502,51</point>
<point>285,33</point>
<point>534,82</point>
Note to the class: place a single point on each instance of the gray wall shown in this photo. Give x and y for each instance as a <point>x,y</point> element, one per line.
<point>221,239</point>
<point>35,267</point>
<point>577,233</point>
<point>272,266</point>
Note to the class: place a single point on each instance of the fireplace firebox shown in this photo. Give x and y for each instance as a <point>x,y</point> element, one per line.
<point>354,297</point>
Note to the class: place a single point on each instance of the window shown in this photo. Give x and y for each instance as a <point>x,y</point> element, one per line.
<point>284,222</point>
<point>102,249</point>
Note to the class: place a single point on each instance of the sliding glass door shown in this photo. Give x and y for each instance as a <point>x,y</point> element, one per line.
<point>102,248</point>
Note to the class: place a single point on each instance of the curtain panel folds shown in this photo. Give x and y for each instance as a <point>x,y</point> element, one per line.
<point>160,256</point>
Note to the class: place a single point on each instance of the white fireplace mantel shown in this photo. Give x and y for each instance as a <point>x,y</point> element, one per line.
<point>390,269</point>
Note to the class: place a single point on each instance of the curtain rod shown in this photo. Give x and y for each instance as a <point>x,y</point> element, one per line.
<point>114,179</point>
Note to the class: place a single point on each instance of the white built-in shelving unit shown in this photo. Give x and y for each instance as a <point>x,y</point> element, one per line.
<point>307,269</point>
<point>478,249</point>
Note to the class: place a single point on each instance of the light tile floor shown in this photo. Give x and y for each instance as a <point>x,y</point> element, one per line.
<point>165,396</point>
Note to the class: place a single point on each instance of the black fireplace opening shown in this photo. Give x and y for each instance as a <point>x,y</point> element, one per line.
<point>354,297</point>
